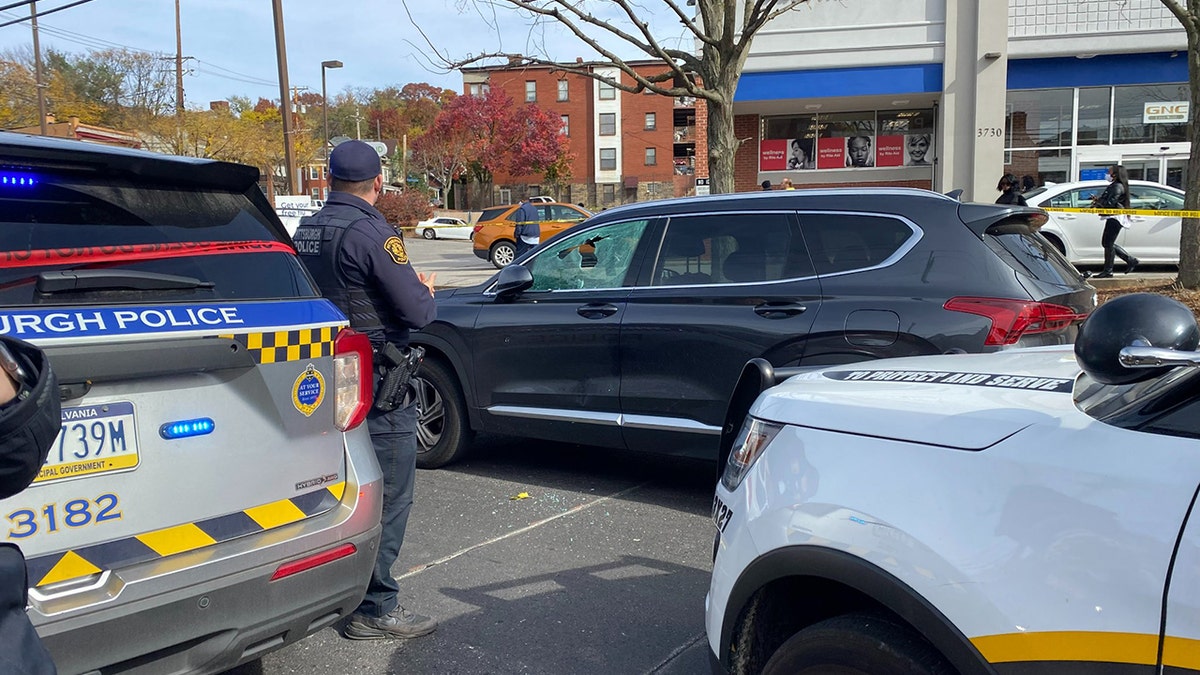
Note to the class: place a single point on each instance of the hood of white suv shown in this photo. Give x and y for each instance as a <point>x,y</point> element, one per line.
<point>962,401</point>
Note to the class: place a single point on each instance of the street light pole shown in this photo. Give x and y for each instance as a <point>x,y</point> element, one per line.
<point>325,65</point>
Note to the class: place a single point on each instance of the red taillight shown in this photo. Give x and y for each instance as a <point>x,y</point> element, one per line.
<point>1013,318</point>
<point>297,566</point>
<point>352,383</point>
<point>476,229</point>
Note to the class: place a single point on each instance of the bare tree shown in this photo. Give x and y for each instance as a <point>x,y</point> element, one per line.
<point>1189,237</point>
<point>722,31</point>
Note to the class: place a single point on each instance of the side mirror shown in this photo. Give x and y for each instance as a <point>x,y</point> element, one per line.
<point>1137,337</point>
<point>511,280</point>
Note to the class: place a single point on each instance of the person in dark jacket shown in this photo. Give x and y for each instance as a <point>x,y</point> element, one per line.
<point>527,231</point>
<point>1115,196</point>
<point>29,422</point>
<point>1010,191</point>
<point>359,261</point>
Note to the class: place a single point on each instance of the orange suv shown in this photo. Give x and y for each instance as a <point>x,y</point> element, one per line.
<point>494,239</point>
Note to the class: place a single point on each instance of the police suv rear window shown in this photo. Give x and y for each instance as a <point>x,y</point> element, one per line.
<point>85,240</point>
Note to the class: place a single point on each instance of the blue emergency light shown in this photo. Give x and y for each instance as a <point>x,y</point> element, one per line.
<point>187,428</point>
<point>17,180</point>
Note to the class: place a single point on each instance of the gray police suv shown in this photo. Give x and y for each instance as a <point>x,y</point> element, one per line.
<point>630,329</point>
<point>212,495</point>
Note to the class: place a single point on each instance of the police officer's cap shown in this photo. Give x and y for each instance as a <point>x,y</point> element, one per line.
<point>354,161</point>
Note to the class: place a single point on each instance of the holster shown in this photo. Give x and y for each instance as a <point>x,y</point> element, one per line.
<point>396,370</point>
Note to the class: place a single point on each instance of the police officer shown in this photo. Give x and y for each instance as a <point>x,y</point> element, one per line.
<point>359,261</point>
<point>29,423</point>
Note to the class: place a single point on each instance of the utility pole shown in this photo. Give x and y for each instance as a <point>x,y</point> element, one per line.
<point>37,69</point>
<point>358,118</point>
<point>178,63</point>
<point>285,103</point>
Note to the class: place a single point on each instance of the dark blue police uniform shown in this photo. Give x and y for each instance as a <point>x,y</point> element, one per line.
<point>28,427</point>
<point>527,226</point>
<point>359,261</point>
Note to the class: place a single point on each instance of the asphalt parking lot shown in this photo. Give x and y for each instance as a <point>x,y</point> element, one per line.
<point>544,558</point>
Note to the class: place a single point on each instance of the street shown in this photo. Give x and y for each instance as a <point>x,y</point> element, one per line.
<point>603,567</point>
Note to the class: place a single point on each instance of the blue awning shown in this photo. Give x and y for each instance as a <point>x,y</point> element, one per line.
<point>1098,71</point>
<point>831,82</point>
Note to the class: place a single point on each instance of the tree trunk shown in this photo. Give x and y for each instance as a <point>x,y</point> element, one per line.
<point>722,146</point>
<point>1189,236</point>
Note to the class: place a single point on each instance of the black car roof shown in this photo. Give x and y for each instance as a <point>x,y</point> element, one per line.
<point>42,151</point>
<point>781,199</point>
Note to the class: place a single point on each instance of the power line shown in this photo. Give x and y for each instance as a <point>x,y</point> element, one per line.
<point>41,14</point>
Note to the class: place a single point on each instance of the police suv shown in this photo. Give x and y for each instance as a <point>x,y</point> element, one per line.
<point>1028,511</point>
<point>212,495</point>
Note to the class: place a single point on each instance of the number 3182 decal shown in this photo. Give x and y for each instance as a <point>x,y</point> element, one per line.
<point>53,517</point>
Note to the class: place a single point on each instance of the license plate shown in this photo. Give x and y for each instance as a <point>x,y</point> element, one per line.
<point>94,439</point>
<point>721,514</point>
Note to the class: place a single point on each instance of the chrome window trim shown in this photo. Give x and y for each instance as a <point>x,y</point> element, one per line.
<point>652,422</point>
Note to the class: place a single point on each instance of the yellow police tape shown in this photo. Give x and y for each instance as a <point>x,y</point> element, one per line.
<point>1162,213</point>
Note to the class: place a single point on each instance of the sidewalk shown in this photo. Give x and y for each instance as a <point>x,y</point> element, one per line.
<point>1119,280</point>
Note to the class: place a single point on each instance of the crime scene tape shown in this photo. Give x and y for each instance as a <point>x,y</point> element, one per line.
<point>1161,213</point>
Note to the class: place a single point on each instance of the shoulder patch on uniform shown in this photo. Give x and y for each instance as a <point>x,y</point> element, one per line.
<point>395,247</point>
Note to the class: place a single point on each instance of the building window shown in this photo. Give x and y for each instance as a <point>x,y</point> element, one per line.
<point>608,191</point>
<point>530,91</point>
<point>316,193</point>
<point>651,156</point>
<point>607,92</point>
<point>478,89</point>
<point>608,124</point>
<point>505,196</point>
<point>566,125</point>
<point>608,159</point>
<point>1040,118</point>
<point>651,122</point>
<point>1129,113</point>
<point>314,173</point>
<point>562,90</point>
<point>1095,112</point>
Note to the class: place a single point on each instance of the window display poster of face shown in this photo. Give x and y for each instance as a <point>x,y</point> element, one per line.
<point>917,149</point>
<point>860,151</point>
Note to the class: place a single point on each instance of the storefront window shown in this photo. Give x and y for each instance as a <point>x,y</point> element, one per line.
<point>1045,166</point>
<point>1038,117</point>
<point>1094,105</point>
<point>1130,113</point>
<point>847,140</point>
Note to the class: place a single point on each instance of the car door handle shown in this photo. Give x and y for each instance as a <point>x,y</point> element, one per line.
<point>597,311</point>
<point>779,310</point>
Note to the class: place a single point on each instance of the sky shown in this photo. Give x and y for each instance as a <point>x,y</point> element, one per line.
<point>232,42</point>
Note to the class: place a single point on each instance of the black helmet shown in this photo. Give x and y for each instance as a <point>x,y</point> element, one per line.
<point>1154,319</point>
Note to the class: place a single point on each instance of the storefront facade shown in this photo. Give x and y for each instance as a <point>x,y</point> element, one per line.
<point>930,94</point>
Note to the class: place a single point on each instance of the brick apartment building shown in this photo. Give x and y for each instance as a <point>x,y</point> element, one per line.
<point>628,147</point>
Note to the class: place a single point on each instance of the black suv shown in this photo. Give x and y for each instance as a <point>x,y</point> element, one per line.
<point>630,329</point>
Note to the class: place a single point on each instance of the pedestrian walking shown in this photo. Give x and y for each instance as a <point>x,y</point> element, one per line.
<point>528,231</point>
<point>1115,196</point>
<point>359,261</point>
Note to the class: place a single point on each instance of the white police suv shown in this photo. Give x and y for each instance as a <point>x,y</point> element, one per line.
<point>212,495</point>
<point>1029,511</point>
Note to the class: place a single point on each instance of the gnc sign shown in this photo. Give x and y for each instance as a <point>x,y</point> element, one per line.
<point>1167,112</point>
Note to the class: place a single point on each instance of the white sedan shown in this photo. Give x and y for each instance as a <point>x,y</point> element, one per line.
<point>1149,238</point>
<point>1025,511</point>
<point>444,227</point>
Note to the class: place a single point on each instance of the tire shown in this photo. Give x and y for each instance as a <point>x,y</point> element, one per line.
<point>502,253</point>
<point>428,233</point>
<point>857,644</point>
<point>443,431</point>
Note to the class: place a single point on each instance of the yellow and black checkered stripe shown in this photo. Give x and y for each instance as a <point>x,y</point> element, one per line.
<point>73,564</point>
<point>288,345</point>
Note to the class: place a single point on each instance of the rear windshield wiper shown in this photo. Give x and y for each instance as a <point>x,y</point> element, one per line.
<point>72,281</point>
